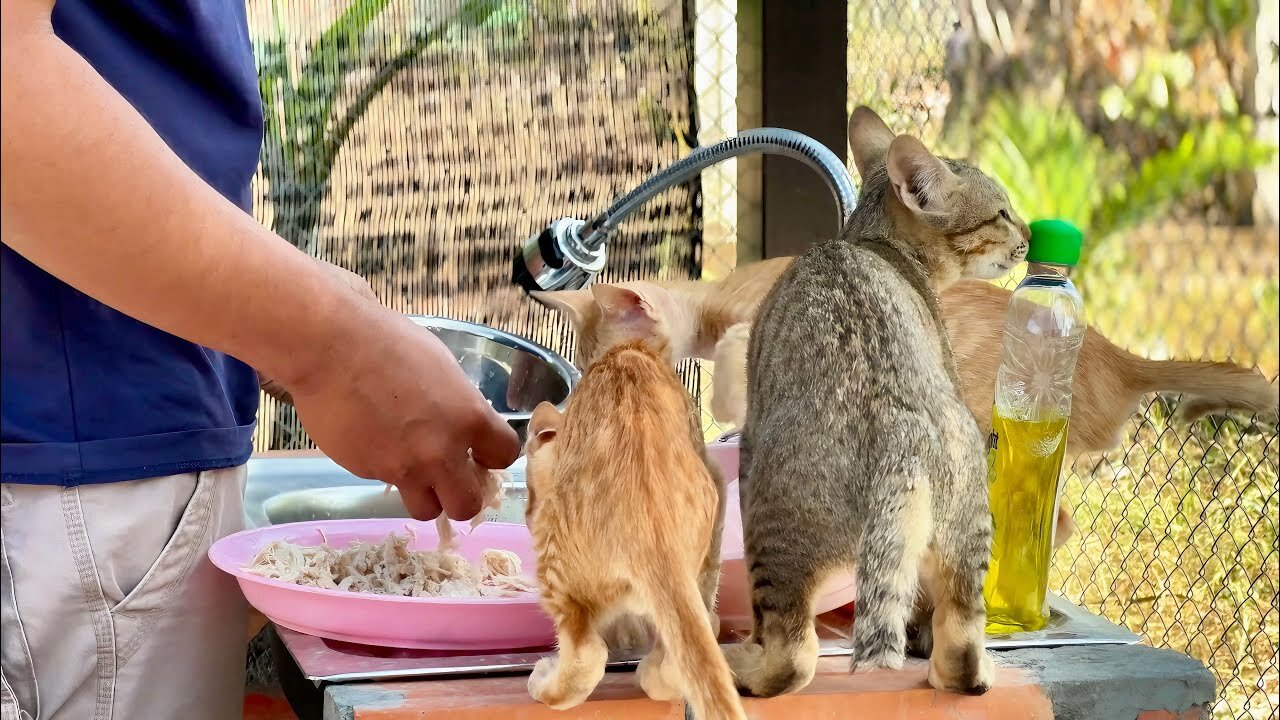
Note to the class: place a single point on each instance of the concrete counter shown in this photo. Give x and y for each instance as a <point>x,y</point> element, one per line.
<point>1110,682</point>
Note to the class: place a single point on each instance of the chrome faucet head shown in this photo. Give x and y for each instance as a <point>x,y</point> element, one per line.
<point>570,253</point>
<point>557,259</point>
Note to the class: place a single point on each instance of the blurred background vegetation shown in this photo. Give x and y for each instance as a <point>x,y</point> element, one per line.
<point>1152,125</point>
<point>417,141</point>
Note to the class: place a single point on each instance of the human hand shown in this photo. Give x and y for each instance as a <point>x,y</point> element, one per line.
<point>387,401</point>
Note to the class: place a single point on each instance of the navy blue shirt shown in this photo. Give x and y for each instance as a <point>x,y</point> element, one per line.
<point>89,395</point>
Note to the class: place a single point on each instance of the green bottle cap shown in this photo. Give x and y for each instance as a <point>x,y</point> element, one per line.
<point>1056,242</point>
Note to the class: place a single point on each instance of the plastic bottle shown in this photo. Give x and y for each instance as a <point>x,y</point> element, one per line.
<point>1044,329</point>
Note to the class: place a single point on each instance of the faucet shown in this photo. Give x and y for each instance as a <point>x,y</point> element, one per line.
<point>569,253</point>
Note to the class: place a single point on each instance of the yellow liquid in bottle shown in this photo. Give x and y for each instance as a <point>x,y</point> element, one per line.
<point>1023,470</point>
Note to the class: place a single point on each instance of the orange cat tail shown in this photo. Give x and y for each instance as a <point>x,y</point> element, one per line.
<point>685,631</point>
<point>1211,387</point>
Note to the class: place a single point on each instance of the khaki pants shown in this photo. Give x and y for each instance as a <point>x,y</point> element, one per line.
<point>111,608</point>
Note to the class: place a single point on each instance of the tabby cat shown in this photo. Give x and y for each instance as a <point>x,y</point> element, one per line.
<point>858,449</point>
<point>626,515</point>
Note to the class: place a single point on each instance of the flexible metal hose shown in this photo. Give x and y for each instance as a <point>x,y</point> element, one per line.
<point>569,253</point>
<point>773,141</point>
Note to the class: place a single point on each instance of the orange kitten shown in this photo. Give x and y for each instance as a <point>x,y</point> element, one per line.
<point>697,319</point>
<point>1109,382</point>
<point>626,515</point>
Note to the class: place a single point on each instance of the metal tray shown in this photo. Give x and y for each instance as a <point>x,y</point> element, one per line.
<point>327,661</point>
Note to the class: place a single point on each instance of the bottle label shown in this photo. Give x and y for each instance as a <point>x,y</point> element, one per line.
<point>993,447</point>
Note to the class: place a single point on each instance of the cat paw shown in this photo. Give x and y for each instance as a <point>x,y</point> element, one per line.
<point>548,687</point>
<point>759,674</point>
<point>739,333</point>
<point>727,412</point>
<point>543,671</point>
<point>972,675</point>
<point>655,681</point>
<point>729,384</point>
<point>746,661</point>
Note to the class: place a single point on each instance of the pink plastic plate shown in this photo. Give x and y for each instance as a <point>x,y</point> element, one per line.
<point>389,621</point>
<point>733,604</point>
<point>461,623</point>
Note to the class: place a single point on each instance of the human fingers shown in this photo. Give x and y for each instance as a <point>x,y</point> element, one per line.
<point>494,445</point>
<point>420,500</point>
<point>457,484</point>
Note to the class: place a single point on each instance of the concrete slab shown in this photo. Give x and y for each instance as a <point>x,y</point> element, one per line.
<point>1116,682</point>
<point>1107,682</point>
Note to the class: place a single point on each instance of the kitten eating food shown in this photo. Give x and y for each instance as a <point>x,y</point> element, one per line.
<point>626,515</point>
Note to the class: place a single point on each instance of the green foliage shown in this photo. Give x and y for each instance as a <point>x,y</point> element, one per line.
<point>1163,91</point>
<point>506,22</point>
<point>1267,297</point>
<point>1049,162</point>
<point>1191,20</point>
<point>1054,167</point>
<point>1201,155</point>
<point>1153,92</point>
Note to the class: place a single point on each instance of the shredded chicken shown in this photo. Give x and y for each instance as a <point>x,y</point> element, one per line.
<point>502,567</point>
<point>391,568</point>
<point>493,490</point>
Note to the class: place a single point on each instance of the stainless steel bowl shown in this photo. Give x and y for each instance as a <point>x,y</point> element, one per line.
<point>513,373</point>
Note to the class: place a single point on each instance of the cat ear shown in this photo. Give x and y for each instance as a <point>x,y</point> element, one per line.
<point>544,423</point>
<point>869,139</point>
<point>626,307</point>
<point>919,179</point>
<point>574,304</point>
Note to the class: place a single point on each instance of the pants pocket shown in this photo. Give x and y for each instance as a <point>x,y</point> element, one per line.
<point>19,698</point>
<point>153,595</point>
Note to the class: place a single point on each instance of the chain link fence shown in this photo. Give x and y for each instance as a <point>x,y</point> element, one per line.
<point>418,143</point>
<point>1139,119</point>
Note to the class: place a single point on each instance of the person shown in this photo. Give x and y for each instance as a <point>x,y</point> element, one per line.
<point>139,297</point>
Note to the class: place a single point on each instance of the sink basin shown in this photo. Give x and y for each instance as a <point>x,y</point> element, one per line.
<point>513,373</point>
<point>345,502</point>
<point>297,489</point>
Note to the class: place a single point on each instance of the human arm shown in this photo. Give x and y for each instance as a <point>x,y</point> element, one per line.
<point>92,195</point>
